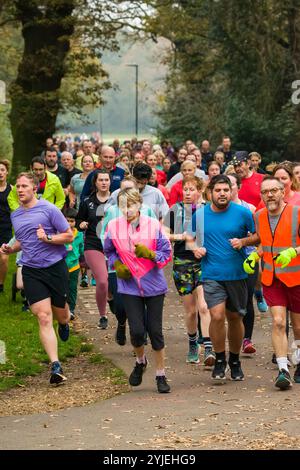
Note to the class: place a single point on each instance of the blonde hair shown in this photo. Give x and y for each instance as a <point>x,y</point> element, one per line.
<point>198,182</point>
<point>131,195</point>
<point>188,163</point>
<point>30,176</point>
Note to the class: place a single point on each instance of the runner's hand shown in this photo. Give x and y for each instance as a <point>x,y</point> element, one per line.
<point>199,252</point>
<point>84,225</point>
<point>122,271</point>
<point>236,243</point>
<point>5,249</point>
<point>285,257</point>
<point>250,262</point>
<point>142,251</point>
<point>41,234</point>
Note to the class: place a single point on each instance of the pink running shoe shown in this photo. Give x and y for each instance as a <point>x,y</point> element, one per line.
<point>248,347</point>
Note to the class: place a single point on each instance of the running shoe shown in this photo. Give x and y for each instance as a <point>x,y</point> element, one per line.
<point>63,331</point>
<point>209,357</point>
<point>136,375</point>
<point>93,282</point>
<point>193,355</point>
<point>84,281</point>
<point>103,323</point>
<point>297,374</point>
<point>25,306</point>
<point>57,375</point>
<point>283,380</point>
<point>121,334</point>
<point>162,384</point>
<point>236,372</point>
<point>261,303</point>
<point>72,315</point>
<point>219,370</point>
<point>248,347</point>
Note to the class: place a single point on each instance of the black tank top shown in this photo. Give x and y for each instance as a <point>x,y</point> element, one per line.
<point>4,208</point>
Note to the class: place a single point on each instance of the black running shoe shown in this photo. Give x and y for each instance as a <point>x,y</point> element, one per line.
<point>162,384</point>
<point>136,375</point>
<point>236,370</point>
<point>57,376</point>
<point>120,334</point>
<point>103,323</point>
<point>63,331</point>
<point>283,380</point>
<point>219,370</point>
<point>297,374</point>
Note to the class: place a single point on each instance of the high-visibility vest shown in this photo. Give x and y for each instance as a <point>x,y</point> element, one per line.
<point>286,236</point>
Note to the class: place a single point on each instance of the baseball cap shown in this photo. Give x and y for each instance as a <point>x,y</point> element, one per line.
<point>239,157</point>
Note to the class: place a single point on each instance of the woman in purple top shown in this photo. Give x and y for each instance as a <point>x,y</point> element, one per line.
<point>41,231</point>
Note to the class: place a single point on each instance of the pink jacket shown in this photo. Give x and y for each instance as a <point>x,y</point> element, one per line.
<point>120,240</point>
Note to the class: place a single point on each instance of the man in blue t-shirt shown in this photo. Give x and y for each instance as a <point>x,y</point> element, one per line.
<point>107,160</point>
<point>224,280</point>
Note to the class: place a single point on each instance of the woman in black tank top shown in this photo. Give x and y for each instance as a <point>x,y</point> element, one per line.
<point>5,223</point>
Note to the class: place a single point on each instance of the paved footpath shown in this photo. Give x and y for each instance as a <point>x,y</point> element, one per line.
<point>196,415</point>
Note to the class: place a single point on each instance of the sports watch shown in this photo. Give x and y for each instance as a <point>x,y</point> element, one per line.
<point>49,237</point>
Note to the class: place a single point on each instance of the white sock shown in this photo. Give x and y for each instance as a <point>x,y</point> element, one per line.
<point>282,363</point>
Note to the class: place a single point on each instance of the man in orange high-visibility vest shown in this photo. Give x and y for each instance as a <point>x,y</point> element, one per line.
<point>278,229</point>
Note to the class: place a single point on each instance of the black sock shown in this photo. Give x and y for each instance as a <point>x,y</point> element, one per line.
<point>192,339</point>
<point>233,357</point>
<point>207,342</point>
<point>221,356</point>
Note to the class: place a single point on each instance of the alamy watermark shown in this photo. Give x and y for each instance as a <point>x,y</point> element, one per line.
<point>296,94</point>
<point>2,352</point>
<point>2,92</point>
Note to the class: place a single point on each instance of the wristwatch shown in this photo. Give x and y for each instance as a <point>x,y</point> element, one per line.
<point>49,237</point>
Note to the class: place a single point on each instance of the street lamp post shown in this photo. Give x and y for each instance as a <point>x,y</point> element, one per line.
<point>136,97</point>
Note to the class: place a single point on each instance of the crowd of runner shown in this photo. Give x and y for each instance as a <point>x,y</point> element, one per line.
<point>114,216</point>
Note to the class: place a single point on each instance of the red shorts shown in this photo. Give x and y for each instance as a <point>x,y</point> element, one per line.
<point>279,295</point>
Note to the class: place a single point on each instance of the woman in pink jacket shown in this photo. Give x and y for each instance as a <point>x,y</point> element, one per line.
<point>138,250</point>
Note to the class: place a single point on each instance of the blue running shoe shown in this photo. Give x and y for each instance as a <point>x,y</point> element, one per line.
<point>57,376</point>
<point>63,331</point>
<point>93,281</point>
<point>283,380</point>
<point>193,355</point>
<point>262,305</point>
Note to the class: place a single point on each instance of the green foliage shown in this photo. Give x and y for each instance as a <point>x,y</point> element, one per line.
<point>231,70</point>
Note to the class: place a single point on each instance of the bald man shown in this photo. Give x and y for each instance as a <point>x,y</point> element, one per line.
<point>107,160</point>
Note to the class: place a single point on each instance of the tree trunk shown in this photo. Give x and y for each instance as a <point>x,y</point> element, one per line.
<point>35,93</point>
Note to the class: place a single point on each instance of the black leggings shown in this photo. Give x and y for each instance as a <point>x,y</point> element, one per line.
<point>138,322</point>
<point>249,317</point>
<point>117,298</point>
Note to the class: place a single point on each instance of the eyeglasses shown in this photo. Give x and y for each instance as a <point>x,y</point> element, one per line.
<point>273,191</point>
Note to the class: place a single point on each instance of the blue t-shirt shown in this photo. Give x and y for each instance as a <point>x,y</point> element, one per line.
<point>213,231</point>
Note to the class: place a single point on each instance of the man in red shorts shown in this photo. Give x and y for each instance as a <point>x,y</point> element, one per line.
<point>278,229</point>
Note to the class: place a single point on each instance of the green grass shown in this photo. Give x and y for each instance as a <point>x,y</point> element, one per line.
<point>19,331</point>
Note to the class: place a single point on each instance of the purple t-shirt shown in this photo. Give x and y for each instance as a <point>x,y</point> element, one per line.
<point>36,253</point>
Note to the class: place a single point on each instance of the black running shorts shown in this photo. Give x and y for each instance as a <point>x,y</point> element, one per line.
<point>233,293</point>
<point>5,235</point>
<point>42,283</point>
